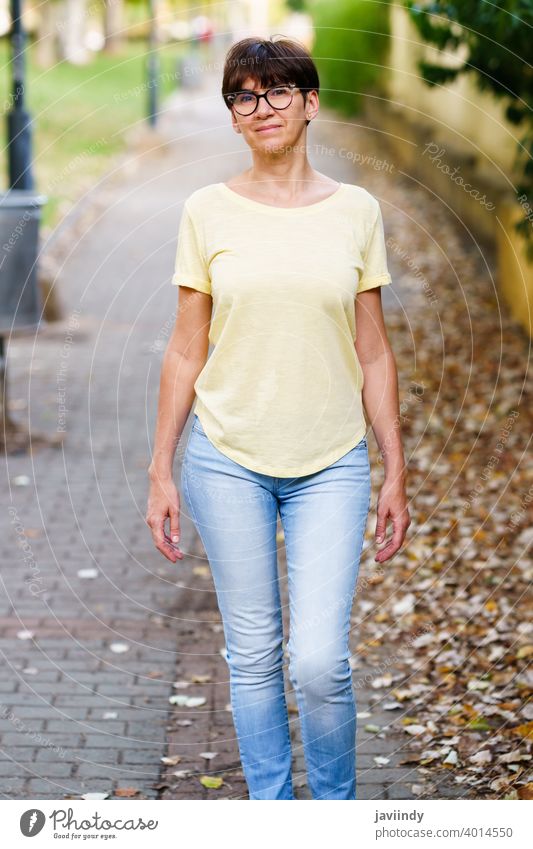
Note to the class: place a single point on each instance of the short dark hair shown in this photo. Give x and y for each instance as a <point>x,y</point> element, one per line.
<point>269,61</point>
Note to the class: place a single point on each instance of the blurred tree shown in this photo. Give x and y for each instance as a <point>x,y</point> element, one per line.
<point>47,36</point>
<point>113,25</point>
<point>499,55</point>
<point>72,31</point>
<point>61,32</point>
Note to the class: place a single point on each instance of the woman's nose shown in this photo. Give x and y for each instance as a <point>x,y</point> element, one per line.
<point>264,107</point>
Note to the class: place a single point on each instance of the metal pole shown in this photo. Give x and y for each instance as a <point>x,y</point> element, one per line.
<point>19,136</point>
<point>153,65</point>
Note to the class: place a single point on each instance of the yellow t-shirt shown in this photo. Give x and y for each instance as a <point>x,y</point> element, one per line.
<point>281,390</point>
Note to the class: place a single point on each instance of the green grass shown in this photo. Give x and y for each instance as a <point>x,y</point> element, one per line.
<point>79,116</point>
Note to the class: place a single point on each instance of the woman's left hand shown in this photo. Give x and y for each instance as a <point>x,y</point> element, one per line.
<point>392,505</point>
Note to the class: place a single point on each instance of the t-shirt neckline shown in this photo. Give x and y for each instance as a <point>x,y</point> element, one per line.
<point>266,207</point>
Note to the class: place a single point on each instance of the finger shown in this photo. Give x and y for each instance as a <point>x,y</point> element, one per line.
<point>394,543</point>
<point>381,525</point>
<point>398,532</point>
<point>386,550</point>
<point>173,546</point>
<point>174,523</point>
<point>170,550</point>
<point>163,543</point>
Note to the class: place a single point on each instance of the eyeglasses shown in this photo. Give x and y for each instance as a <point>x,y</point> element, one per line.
<point>246,102</point>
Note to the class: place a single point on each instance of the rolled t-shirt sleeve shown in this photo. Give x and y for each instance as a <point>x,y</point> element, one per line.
<point>190,267</point>
<point>375,272</point>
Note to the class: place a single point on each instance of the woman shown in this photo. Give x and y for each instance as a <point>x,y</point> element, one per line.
<point>277,268</point>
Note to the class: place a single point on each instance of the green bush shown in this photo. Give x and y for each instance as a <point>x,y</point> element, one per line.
<point>496,40</point>
<point>350,49</point>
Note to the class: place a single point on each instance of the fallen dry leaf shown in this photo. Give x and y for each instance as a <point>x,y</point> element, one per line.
<point>211,781</point>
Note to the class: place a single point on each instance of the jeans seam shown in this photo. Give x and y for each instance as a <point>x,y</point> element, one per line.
<point>187,490</point>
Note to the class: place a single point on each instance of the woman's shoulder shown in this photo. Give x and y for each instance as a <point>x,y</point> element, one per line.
<point>203,196</point>
<point>362,198</point>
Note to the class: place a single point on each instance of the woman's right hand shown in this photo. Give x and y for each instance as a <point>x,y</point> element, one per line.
<point>163,504</point>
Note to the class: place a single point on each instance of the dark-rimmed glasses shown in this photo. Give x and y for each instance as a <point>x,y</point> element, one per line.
<point>245,102</point>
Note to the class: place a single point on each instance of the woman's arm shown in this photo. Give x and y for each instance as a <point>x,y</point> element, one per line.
<point>184,359</point>
<point>382,407</point>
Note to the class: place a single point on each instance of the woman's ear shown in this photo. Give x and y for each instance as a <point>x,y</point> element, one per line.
<point>235,123</point>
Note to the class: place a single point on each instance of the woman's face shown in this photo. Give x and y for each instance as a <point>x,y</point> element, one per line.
<point>285,125</point>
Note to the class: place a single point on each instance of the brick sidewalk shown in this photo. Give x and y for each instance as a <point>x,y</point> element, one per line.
<point>81,576</point>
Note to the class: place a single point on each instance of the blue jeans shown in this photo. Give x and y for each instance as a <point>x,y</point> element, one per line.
<point>324,516</point>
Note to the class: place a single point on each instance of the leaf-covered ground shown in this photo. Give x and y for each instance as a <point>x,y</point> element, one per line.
<point>453,609</point>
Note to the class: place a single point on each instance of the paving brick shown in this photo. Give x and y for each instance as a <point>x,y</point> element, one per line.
<point>125,714</point>
<point>52,753</point>
<point>27,712</point>
<point>104,703</point>
<point>13,701</point>
<point>121,692</point>
<point>107,771</point>
<point>55,787</point>
<point>12,788</point>
<point>375,746</point>
<point>38,769</point>
<point>10,768</point>
<point>70,714</point>
<point>71,741</point>
<point>97,756</point>
<point>19,754</point>
<point>401,791</point>
<point>385,775</point>
<point>370,791</point>
<point>104,740</point>
<point>145,732</point>
<point>85,726</point>
<point>21,725</point>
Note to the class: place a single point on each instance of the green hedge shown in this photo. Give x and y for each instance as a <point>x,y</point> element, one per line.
<point>350,49</point>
